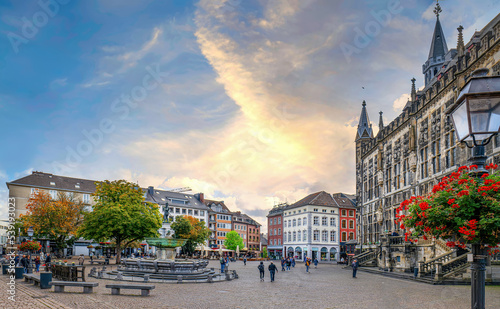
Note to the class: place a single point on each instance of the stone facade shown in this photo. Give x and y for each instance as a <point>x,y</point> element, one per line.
<point>412,153</point>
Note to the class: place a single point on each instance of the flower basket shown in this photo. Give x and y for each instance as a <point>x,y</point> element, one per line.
<point>30,246</point>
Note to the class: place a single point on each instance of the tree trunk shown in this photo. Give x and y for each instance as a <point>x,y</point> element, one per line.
<point>118,252</point>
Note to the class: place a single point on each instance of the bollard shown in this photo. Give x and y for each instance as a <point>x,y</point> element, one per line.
<point>19,271</point>
<point>99,274</point>
<point>146,278</point>
<point>228,276</point>
<point>4,268</point>
<point>210,278</point>
<point>45,279</point>
<point>179,279</point>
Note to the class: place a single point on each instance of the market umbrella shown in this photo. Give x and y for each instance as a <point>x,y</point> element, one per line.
<point>237,250</point>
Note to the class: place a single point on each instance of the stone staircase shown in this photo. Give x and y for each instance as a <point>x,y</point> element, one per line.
<point>365,258</point>
<point>444,266</point>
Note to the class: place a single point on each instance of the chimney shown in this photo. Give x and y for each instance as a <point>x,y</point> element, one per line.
<point>200,197</point>
<point>151,190</point>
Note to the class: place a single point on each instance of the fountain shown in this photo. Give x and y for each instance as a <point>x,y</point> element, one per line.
<point>165,267</point>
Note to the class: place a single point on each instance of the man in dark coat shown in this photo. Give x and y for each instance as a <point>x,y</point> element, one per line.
<point>261,270</point>
<point>272,270</point>
<point>355,266</point>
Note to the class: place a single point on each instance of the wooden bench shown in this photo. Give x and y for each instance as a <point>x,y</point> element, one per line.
<point>87,286</point>
<point>115,288</point>
<point>99,262</point>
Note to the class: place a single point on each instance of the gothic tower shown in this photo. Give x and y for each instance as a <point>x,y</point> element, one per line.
<point>438,50</point>
<point>364,135</point>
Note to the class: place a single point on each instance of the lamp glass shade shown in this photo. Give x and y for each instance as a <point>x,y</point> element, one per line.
<point>460,119</point>
<point>30,232</point>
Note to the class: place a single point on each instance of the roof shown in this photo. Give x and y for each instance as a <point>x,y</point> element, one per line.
<point>178,199</point>
<point>223,206</point>
<point>245,218</point>
<point>263,239</point>
<point>50,181</point>
<point>344,202</point>
<point>316,199</point>
<point>364,126</point>
<point>277,209</point>
<point>438,44</point>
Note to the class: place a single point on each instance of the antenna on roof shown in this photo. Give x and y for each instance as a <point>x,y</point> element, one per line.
<point>185,189</point>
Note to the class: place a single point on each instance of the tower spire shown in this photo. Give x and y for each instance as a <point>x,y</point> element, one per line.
<point>380,122</point>
<point>438,50</point>
<point>364,126</point>
<point>413,90</point>
<point>460,43</point>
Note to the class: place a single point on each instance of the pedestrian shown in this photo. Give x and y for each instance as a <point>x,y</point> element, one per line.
<point>92,257</point>
<point>23,263</point>
<point>355,266</point>
<point>315,262</point>
<point>17,260</point>
<point>288,263</point>
<point>245,260</point>
<point>283,261</point>
<point>227,262</point>
<point>293,262</point>
<point>81,259</point>
<point>222,264</point>
<point>261,270</point>
<point>308,263</point>
<point>342,260</point>
<point>47,262</point>
<point>37,264</point>
<point>272,270</point>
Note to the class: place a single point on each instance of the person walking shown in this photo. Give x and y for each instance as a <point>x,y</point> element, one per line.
<point>272,270</point>
<point>283,261</point>
<point>92,257</point>
<point>81,259</point>
<point>37,264</point>
<point>288,263</point>
<point>293,262</point>
<point>315,262</point>
<point>245,260</point>
<point>222,264</point>
<point>47,262</point>
<point>355,266</point>
<point>308,263</point>
<point>261,270</point>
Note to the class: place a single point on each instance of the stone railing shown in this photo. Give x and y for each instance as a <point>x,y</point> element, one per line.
<point>426,267</point>
<point>452,267</point>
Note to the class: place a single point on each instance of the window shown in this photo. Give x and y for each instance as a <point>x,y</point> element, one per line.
<point>304,234</point>
<point>351,213</point>
<point>183,211</point>
<point>196,212</point>
<point>332,211</point>
<point>332,222</point>
<point>202,212</point>
<point>275,232</point>
<point>324,236</point>
<point>279,242</point>
<point>344,212</point>
<point>298,235</point>
<point>324,221</point>
<point>190,211</point>
<point>351,224</point>
<point>351,235</point>
<point>294,222</point>
<point>299,221</point>
<point>177,211</point>
<point>324,210</point>
<point>53,194</point>
<point>316,235</point>
<point>274,220</point>
<point>279,220</point>
<point>316,221</point>
<point>289,236</point>
<point>315,209</point>
<point>344,236</point>
<point>344,224</point>
<point>279,231</point>
<point>86,198</point>
<point>33,191</point>
<point>294,236</point>
<point>332,236</point>
<point>304,221</point>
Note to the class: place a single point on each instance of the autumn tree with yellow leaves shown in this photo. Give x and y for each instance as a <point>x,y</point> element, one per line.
<point>54,219</point>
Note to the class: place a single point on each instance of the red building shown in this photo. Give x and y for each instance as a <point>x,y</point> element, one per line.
<point>347,222</point>
<point>275,231</point>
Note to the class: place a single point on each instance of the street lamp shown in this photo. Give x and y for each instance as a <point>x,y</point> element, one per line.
<point>476,117</point>
<point>30,232</point>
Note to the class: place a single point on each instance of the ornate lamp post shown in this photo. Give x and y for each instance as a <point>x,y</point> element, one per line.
<point>476,117</point>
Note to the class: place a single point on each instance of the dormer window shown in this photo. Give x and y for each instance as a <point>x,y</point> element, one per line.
<point>52,183</point>
<point>77,186</point>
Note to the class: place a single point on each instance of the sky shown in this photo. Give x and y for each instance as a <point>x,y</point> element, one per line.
<point>252,102</point>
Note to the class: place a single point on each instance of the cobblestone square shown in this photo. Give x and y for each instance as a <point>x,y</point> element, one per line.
<point>328,286</point>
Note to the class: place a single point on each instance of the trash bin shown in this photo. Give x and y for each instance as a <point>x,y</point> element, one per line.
<point>106,261</point>
<point>4,268</point>
<point>19,271</point>
<point>45,278</point>
<point>415,272</point>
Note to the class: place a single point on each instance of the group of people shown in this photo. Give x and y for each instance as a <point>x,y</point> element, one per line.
<point>287,263</point>
<point>26,261</point>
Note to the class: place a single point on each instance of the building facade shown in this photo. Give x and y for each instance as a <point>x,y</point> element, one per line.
<point>412,153</point>
<point>275,231</point>
<point>220,222</point>
<point>310,228</point>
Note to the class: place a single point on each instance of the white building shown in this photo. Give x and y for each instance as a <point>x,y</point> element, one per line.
<point>311,228</point>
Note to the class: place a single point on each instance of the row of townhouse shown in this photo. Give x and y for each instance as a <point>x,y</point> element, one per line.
<point>215,214</point>
<point>321,225</point>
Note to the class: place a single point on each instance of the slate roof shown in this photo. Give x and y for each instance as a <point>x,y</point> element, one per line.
<point>317,199</point>
<point>209,203</point>
<point>364,126</point>
<point>161,197</point>
<point>438,44</point>
<point>49,181</point>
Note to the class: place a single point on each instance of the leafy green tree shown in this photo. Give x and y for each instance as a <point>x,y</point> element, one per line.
<point>233,239</point>
<point>192,229</point>
<point>120,214</point>
<point>264,252</point>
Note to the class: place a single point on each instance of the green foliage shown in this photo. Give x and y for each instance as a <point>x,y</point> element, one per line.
<point>264,252</point>
<point>461,208</point>
<point>192,229</point>
<point>233,240</point>
<point>120,214</point>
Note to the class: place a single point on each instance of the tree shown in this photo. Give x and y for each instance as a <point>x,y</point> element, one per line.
<point>264,252</point>
<point>192,229</point>
<point>120,214</point>
<point>233,240</point>
<point>57,220</point>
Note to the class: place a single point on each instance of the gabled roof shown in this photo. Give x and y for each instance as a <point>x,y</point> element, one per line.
<point>316,199</point>
<point>209,203</point>
<point>55,182</point>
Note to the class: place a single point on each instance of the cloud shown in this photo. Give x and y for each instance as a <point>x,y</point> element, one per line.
<point>400,102</point>
<point>61,82</point>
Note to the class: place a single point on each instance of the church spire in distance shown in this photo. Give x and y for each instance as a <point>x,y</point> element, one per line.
<point>364,126</point>
<point>438,49</point>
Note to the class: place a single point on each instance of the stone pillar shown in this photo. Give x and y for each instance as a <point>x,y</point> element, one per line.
<point>420,268</point>
<point>439,271</point>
